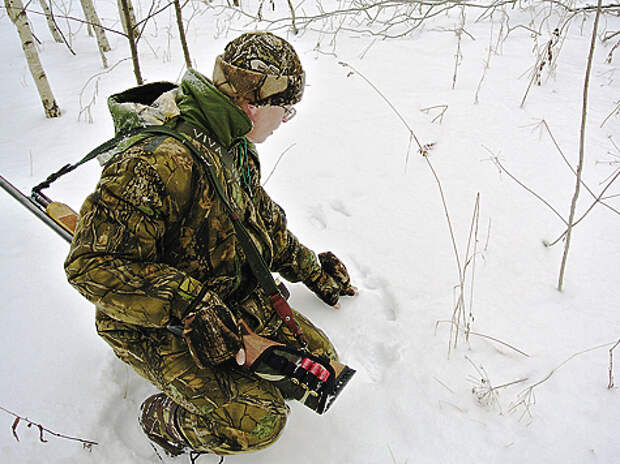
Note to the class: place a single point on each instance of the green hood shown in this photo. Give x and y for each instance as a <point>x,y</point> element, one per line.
<point>196,100</point>
<point>203,105</point>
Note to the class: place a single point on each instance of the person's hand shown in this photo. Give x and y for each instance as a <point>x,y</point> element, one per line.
<point>211,334</point>
<point>333,281</point>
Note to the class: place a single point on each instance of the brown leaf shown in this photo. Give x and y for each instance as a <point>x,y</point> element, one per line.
<point>14,428</point>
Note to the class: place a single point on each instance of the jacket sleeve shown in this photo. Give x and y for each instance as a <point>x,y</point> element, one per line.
<point>292,260</point>
<point>114,260</point>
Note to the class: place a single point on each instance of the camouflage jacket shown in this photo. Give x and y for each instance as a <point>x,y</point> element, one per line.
<point>154,233</point>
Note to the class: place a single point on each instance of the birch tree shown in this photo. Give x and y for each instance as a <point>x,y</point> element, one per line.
<point>51,23</point>
<point>93,19</point>
<point>16,13</point>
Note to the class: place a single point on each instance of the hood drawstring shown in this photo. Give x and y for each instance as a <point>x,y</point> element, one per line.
<point>246,175</point>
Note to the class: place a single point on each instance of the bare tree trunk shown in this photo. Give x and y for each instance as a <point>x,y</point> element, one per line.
<point>91,16</point>
<point>177,7</point>
<point>131,36</point>
<point>15,9</point>
<point>50,21</point>
<point>582,141</point>
<point>129,25</point>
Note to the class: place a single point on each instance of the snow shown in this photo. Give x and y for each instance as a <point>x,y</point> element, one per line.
<point>346,188</point>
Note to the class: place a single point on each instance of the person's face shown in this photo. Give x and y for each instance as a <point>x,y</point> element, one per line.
<point>265,120</point>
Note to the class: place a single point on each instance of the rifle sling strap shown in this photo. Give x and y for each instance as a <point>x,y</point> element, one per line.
<point>183,133</point>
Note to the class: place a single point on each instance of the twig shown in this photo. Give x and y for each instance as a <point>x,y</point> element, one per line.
<point>278,162</point>
<point>86,108</point>
<point>597,200</point>
<point>557,146</point>
<point>42,430</point>
<point>497,162</point>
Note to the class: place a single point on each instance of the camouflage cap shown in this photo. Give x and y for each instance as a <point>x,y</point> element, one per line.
<point>261,68</point>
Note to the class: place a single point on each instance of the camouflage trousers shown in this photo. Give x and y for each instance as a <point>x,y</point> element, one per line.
<point>224,409</point>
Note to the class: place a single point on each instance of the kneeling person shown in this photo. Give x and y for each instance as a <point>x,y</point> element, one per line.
<point>155,248</point>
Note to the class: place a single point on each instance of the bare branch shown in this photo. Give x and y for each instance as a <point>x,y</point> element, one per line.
<point>546,126</point>
<point>582,142</point>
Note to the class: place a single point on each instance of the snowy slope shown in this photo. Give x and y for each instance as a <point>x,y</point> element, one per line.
<point>345,187</point>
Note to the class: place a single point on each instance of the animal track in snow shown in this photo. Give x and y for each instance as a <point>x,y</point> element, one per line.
<point>339,207</point>
<point>377,356</point>
<point>387,300</point>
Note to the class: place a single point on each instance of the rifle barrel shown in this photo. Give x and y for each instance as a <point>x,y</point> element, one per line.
<point>34,208</point>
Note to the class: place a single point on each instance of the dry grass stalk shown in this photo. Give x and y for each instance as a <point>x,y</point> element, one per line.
<point>458,56</point>
<point>486,337</point>
<point>459,310</point>
<point>614,112</point>
<point>495,159</point>
<point>611,365</point>
<point>485,393</point>
<point>440,115</point>
<point>483,390</point>
<point>544,59</point>
<point>526,399</point>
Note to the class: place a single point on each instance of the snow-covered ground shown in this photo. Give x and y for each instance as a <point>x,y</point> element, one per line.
<point>346,188</point>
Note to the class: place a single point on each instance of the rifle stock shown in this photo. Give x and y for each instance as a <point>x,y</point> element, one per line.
<point>38,207</point>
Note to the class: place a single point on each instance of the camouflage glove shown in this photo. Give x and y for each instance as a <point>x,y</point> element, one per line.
<point>332,281</point>
<point>211,334</point>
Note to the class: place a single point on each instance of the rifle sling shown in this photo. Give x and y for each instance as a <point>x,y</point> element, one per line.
<point>183,132</point>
